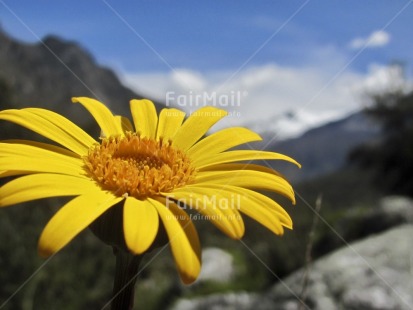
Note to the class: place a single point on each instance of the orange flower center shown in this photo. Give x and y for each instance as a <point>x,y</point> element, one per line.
<point>139,167</point>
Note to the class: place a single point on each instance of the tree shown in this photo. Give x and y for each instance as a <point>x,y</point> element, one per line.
<point>390,158</point>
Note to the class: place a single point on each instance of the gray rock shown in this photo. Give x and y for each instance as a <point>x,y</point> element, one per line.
<point>372,274</point>
<point>231,301</point>
<point>217,265</point>
<point>397,208</point>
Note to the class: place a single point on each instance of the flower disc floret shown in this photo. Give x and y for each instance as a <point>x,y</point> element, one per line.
<point>138,166</point>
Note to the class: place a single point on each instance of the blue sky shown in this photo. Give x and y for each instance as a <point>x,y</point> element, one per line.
<point>317,48</point>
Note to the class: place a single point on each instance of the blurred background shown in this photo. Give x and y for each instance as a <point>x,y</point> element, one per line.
<point>328,83</point>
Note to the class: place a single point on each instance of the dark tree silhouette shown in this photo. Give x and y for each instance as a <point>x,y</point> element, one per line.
<point>390,158</point>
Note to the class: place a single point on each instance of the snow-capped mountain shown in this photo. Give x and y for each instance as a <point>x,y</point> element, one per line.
<point>293,123</point>
<point>323,149</point>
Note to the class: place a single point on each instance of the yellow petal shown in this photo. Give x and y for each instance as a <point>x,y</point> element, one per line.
<point>233,156</point>
<point>102,115</point>
<point>222,141</point>
<point>45,146</point>
<point>72,218</point>
<point>66,125</point>
<point>253,167</point>
<point>124,123</point>
<point>183,239</point>
<point>28,158</point>
<point>241,166</point>
<point>140,224</point>
<point>196,126</point>
<point>46,128</point>
<point>217,207</point>
<point>259,207</point>
<point>38,186</point>
<point>170,120</point>
<point>10,173</point>
<point>247,179</point>
<point>259,198</point>
<point>145,117</point>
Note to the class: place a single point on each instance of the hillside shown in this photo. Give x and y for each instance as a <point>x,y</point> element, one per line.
<point>323,150</point>
<point>47,74</point>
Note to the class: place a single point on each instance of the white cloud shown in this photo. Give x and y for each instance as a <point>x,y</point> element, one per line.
<point>381,80</point>
<point>376,39</point>
<point>257,96</point>
<point>188,79</point>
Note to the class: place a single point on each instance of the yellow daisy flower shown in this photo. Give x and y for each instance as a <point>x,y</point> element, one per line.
<point>155,167</point>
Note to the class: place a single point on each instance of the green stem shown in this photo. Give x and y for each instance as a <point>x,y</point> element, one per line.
<point>127,267</point>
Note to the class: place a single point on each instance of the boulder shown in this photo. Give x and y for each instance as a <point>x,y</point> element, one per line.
<point>372,274</point>
<point>217,265</point>
<point>398,209</point>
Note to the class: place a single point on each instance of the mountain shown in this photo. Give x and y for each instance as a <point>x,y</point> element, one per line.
<point>323,149</point>
<point>48,73</point>
<point>293,123</point>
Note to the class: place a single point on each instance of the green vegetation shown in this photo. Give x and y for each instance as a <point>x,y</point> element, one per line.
<point>80,276</point>
<point>390,158</point>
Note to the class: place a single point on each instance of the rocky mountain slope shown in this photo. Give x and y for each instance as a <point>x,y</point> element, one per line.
<point>48,73</point>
